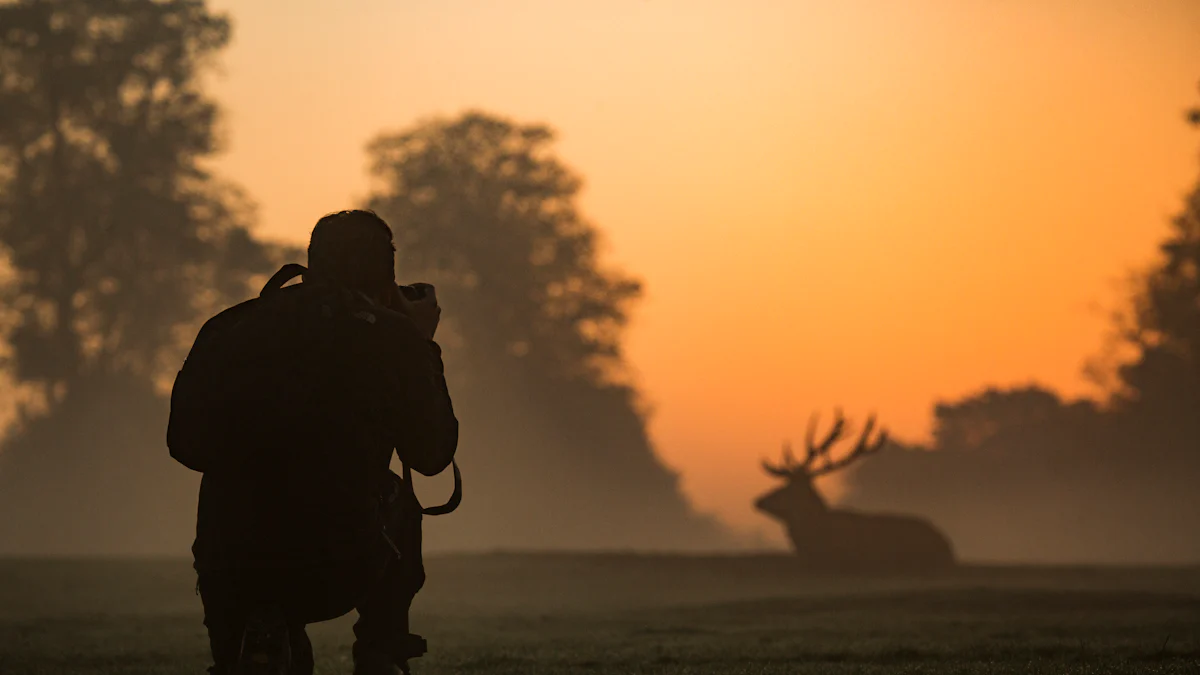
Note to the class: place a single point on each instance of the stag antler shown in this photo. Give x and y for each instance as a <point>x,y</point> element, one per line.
<point>818,451</point>
<point>864,446</point>
<point>817,459</point>
<point>788,468</point>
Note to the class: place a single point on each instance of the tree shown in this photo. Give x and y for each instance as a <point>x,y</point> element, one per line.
<point>1163,382</point>
<point>552,429</point>
<point>1010,474</point>
<point>1023,472</point>
<point>118,241</point>
<point>485,208</point>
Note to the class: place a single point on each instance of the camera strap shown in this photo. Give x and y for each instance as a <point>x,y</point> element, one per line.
<point>455,496</point>
<point>285,274</point>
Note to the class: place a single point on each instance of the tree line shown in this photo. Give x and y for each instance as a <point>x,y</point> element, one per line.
<point>1021,473</point>
<point>117,244</point>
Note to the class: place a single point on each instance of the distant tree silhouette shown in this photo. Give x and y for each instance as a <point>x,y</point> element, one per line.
<point>1164,380</point>
<point>1020,473</point>
<point>1011,473</point>
<point>553,435</point>
<point>117,242</point>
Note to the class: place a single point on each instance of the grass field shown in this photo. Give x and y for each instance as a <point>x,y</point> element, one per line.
<point>561,613</point>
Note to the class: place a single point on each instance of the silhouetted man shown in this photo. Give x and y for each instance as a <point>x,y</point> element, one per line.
<point>290,404</point>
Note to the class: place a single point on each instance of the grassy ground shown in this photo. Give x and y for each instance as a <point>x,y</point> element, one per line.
<point>646,614</point>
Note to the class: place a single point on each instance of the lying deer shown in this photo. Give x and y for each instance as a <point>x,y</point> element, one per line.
<point>842,538</point>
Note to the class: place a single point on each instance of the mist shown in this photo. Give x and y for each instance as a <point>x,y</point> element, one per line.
<point>118,243</point>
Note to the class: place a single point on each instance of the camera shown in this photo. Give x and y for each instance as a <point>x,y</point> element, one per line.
<point>414,292</point>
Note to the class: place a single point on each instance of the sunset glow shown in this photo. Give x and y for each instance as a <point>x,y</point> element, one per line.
<point>870,204</point>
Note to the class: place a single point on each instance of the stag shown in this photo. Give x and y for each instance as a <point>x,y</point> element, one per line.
<point>843,538</point>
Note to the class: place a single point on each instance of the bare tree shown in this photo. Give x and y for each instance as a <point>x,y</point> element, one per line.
<point>840,538</point>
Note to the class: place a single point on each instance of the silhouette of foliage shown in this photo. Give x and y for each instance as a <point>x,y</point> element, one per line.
<point>484,210</point>
<point>117,242</point>
<point>1020,473</point>
<point>115,233</point>
<point>1009,473</point>
<point>1166,324</point>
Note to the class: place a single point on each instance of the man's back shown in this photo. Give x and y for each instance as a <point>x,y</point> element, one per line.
<point>310,385</point>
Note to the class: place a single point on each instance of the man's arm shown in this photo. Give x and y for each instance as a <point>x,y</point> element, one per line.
<point>419,418</point>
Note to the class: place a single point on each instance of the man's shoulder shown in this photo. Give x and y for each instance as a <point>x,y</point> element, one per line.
<point>316,309</point>
<point>225,318</point>
<point>233,312</point>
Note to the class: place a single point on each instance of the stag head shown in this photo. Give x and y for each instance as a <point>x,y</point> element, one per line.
<point>797,499</point>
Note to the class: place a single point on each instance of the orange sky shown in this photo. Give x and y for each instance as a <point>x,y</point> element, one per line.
<point>868,203</point>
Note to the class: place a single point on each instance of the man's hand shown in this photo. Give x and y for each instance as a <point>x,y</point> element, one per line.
<point>425,313</point>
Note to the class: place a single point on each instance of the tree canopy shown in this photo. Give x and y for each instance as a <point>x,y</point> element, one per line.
<point>115,233</point>
<point>482,204</point>
<point>1022,473</point>
<point>117,242</point>
<point>556,433</point>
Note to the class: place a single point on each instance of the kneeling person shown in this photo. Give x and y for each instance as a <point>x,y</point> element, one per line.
<point>291,404</point>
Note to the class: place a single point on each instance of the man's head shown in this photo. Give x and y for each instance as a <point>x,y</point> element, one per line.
<point>354,249</point>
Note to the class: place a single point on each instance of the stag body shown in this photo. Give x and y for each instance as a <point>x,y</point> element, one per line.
<point>843,538</point>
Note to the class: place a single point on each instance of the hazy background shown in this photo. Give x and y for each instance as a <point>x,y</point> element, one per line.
<point>877,205</point>
<point>882,203</point>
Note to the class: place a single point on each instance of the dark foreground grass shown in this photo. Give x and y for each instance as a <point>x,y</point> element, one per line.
<point>142,618</point>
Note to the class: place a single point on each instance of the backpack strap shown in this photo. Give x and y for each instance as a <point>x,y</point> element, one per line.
<point>455,496</point>
<point>285,274</point>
